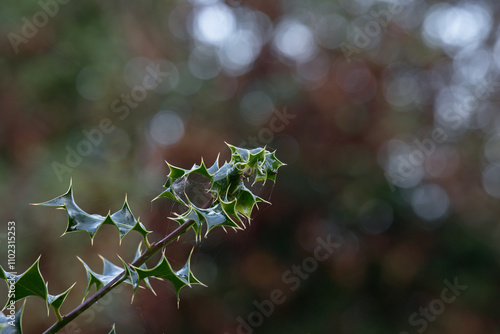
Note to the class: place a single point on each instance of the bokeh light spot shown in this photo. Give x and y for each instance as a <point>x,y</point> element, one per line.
<point>166,128</point>
<point>430,202</point>
<point>294,40</point>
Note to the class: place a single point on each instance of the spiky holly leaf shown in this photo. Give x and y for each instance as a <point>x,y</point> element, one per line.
<point>79,220</point>
<point>134,279</point>
<point>109,272</point>
<point>190,214</point>
<point>180,278</point>
<point>211,217</point>
<point>138,254</point>
<point>29,283</point>
<point>12,324</point>
<point>268,168</point>
<point>248,157</point>
<point>246,201</point>
<point>134,276</point>
<point>215,216</point>
<point>125,221</point>
<point>56,301</point>
<point>229,209</point>
<point>225,180</point>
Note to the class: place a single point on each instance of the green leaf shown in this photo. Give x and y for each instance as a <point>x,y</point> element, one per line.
<point>225,180</point>
<point>249,157</point>
<point>138,254</point>
<point>12,326</point>
<point>175,172</point>
<point>125,221</point>
<point>211,217</point>
<point>79,220</point>
<point>29,283</point>
<point>134,276</point>
<point>180,278</point>
<point>229,209</point>
<point>200,169</point>
<point>268,168</point>
<point>112,330</point>
<point>215,216</point>
<point>109,272</point>
<point>190,214</point>
<point>3,274</point>
<point>246,200</point>
<point>214,168</point>
<point>57,301</point>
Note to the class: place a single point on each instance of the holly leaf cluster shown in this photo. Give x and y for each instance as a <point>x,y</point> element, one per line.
<point>230,202</point>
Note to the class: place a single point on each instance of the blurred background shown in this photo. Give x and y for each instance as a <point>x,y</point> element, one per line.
<point>384,111</point>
